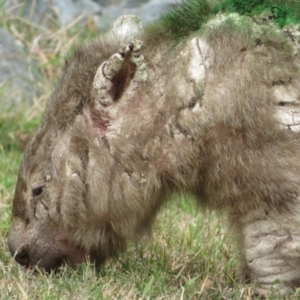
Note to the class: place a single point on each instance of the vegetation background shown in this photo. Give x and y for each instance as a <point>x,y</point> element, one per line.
<point>188,256</point>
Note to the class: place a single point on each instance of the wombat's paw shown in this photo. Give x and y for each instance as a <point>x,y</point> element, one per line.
<point>103,79</point>
<point>138,60</point>
<point>272,251</point>
<point>117,71</point>
<point>133,48</point>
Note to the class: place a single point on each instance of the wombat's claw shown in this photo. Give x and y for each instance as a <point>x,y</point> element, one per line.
<point>103,79</point>
<point>138,60</point>
<point>133,50</point>
<point>126,49</point>
<point>111,67</point>
<point>137,46</point>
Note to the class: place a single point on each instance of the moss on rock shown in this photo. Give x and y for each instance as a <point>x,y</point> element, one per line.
<point>281,12</point>
<point>191,15</point>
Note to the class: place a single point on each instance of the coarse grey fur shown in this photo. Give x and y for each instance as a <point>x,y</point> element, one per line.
<point>126,127</point>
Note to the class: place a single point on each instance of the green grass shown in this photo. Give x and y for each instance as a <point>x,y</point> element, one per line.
<point>180,22</point>
<point>189,256</point>
<point>283,12</point>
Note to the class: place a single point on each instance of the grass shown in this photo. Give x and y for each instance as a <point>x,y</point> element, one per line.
<point>283,12</point>
<point>189,255</point>
<point>181,21</point>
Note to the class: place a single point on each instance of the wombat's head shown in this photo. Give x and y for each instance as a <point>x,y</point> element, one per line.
<point>113,144</point>
<point>85,174</point>
<point>37,235</point>
<point>64,178</point>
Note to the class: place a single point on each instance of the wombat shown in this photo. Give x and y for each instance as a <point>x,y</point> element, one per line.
<point>138,117</point>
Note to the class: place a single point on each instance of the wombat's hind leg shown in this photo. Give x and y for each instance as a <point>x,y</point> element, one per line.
<point>115,73</point>
<point>271,243</point>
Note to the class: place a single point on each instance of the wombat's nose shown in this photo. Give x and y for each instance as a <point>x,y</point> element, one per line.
<point>22,257</point>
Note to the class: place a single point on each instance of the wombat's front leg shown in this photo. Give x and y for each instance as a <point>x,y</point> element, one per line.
<point>271,243</point>
<point>103,82</point>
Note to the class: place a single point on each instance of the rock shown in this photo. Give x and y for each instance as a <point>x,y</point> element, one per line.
<point>38,12</point>
<point>17,81</point>
<point>146,10</point>
<point>150,12</point>
<point>134,3</point>
<point>108,15</point>
<point>44,11</point>
<point>68,10</point>
<point>16,78</point>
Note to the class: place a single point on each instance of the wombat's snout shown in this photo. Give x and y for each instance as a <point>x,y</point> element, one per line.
<point>22,256</point>
<point>19,251</point>
<point>48,254</point>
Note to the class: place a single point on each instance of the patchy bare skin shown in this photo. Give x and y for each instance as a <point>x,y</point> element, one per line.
<point>215,117</point>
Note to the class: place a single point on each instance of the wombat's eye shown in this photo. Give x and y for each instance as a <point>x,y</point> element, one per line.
<point>37,191</point>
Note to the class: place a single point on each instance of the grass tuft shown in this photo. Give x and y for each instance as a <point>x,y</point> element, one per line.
<point>181,21</point>
<point>282,12</point>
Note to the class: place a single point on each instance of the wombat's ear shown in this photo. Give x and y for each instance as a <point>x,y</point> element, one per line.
<point>119,74</point>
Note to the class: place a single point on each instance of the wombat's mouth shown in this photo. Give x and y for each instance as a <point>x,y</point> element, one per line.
<point>49,264</point>
<point>72,261</point>
<point>56,264</point>
<point>50,260</point>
